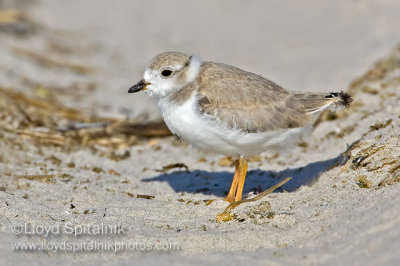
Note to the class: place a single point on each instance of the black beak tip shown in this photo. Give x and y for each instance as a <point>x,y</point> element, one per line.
<point>137,87</point>
<point>132,89</point>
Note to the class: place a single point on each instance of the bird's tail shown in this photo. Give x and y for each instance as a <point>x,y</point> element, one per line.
<point>316,102</point>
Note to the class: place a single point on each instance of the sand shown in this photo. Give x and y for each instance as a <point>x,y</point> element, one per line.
<point>341,206</point>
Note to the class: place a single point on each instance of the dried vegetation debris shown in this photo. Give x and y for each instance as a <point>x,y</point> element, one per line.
<point>378,73</point>
<point>228,215</point>
<point>47,121</point>
<point>375,158</point>
<point>35,115</point>
<point>17,22</point>
<point>39,113</point>
<point>377,163</point>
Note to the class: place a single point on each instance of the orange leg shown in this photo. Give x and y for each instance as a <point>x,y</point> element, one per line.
<point>242,177</point>
<point>235,192</point>
<point>231,195</point>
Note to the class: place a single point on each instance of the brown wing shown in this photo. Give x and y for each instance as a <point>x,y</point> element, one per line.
<point>252,103</point>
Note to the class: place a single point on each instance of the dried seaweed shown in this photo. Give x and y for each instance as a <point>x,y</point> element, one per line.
<point>48,122</point>
<point>9,16</point>
<point>40,178</point>
<point>227,215</point>
<point>16,22</point>
<point>141,196</point>
<point>172,166</point>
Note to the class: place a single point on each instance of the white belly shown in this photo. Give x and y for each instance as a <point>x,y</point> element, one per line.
<point>205,134</point>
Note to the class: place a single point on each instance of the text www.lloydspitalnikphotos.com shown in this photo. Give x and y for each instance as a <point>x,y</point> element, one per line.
<point>93,245</point>
<point>50,239</point>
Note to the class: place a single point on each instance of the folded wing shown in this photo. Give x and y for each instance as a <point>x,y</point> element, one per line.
<point>249,102</point>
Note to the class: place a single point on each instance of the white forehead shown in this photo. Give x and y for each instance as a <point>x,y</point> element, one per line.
<point>149,73</point>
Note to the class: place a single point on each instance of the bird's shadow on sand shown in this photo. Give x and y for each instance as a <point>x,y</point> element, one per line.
<point>218,183</point>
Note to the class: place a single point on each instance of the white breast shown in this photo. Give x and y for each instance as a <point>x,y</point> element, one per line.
<point>186,122</point>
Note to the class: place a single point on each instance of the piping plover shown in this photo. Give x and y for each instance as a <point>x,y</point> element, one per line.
<point>224,109</point>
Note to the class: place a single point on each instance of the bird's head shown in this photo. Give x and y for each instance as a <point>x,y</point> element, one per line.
<point>167,73</point>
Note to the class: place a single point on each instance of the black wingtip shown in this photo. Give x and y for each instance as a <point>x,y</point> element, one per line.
<point>345,98</point>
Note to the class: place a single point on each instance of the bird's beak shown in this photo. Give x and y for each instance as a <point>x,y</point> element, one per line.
<point>141,85</point>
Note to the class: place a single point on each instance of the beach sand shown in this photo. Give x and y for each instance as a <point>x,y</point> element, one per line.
<point>340,207</point>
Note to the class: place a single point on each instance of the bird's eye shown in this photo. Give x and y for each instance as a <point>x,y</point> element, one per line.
<point>166,73</point>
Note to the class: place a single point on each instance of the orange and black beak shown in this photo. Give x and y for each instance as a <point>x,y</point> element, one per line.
<point>141,85</point>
